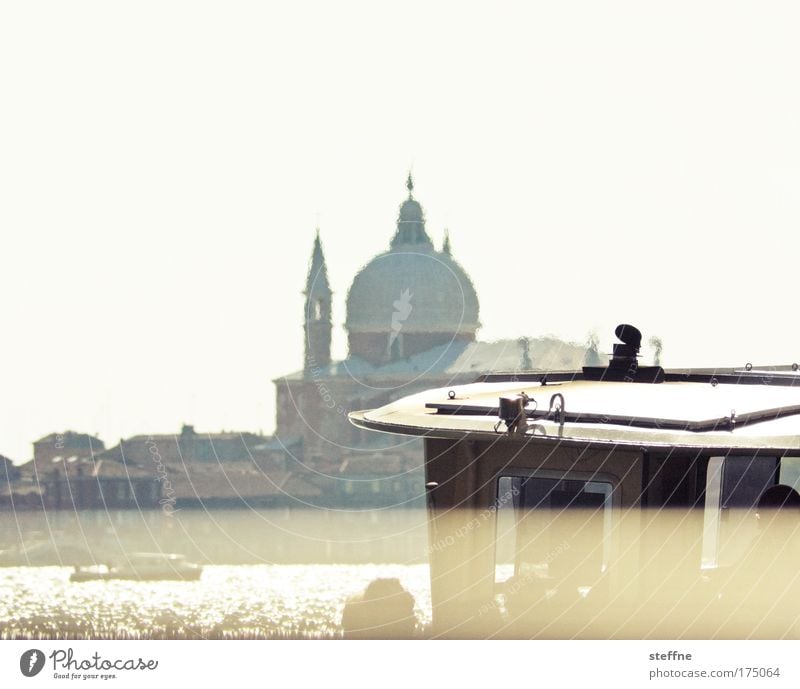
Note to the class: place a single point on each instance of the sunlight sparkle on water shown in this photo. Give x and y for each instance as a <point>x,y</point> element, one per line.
<point>238,601</point>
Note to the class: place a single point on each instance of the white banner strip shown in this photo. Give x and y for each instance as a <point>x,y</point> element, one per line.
<point>388,664</point>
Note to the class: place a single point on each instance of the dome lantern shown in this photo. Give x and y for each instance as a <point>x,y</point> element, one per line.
<point>411,223</point>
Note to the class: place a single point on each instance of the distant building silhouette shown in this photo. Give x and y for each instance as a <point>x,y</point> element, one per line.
<point>66,445</point>
<point>67,472</point>
<point>412,320</point>
<point>227,469</point>
<point>171,471</point>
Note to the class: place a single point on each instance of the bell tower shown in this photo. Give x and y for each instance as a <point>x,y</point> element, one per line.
<point>317,315</point>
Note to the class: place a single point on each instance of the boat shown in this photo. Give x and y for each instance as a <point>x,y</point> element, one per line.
<point>616,501</point>
<point>142,567</point>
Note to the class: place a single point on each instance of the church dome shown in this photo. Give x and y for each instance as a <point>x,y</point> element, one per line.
<point>411,294</point>
<point>438,293</point>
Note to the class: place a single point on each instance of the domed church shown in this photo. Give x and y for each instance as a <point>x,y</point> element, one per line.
<point>412,320</point>
<point>410,298</point>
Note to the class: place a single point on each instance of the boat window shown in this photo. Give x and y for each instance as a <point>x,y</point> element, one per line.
<point>744,479</point>
<point>674,481</point>
<point>554,528</point>
<point>790,472</point>
<point>733,486</point>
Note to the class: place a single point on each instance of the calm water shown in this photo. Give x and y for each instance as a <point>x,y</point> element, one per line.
<point>266,573</point>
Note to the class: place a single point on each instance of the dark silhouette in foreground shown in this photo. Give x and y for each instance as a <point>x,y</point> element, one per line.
<point>385,610</point>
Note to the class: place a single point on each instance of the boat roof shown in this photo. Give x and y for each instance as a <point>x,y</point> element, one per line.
<point>714,409</point>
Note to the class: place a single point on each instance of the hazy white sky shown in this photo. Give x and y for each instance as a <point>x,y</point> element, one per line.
<point>163,166</point>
